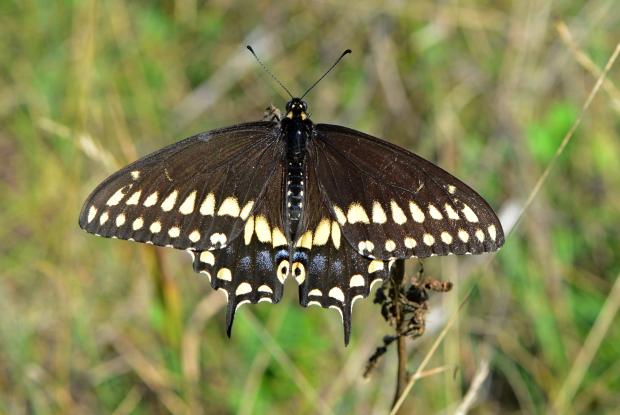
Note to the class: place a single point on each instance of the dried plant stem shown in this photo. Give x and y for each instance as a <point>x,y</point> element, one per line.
<point>168,297</point>
<point>398,273</point>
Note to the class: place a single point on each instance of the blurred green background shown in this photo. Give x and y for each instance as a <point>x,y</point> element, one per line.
<point>486,89</point>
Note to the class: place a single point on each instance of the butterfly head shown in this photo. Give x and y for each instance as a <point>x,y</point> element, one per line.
<point>297,108</point>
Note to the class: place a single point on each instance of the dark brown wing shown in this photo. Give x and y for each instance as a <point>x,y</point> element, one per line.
<point>330,273</point>
<point>195,194</point>
<point>254,266</point>
<point>391,203</point>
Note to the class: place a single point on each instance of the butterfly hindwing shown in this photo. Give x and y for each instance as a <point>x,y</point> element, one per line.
<point>195,194</point>
<point>330,273</point>
<point>391,203</point>
<point>253,267</point>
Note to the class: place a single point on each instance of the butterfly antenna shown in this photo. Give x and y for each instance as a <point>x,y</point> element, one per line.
<point>346,52</point>
<point>268,71</point>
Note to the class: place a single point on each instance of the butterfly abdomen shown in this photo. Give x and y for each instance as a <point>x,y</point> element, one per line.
<point>296,131</point>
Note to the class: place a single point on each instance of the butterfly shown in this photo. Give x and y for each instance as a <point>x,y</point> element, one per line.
<point>259,202</point>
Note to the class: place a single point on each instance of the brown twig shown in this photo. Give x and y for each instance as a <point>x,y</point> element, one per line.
<point>397,274</point>
<point>404,304</point>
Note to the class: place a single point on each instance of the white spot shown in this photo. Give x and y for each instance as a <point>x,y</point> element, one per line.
<point>337,294</point>
<point>480,235</point>
<point>218,238</point>
<point>248,231</point>
<point>356,213</point>
<point>390,245</point>
<point>375,266</point>
<point>321,235</point>
<point>103,218</point>
<point>410,243</point>
<point>356,281</point>
<point>137,224</point>
<point>187,206</point>
<point>299,272</point>
<point>278,238</point>
<point>469,214</point>
<point>283,270</point>
<point>337,309</point>
<point>155,227</point>
<point>207,274</point>
<point>194,236</point>
<point>315,293</point>
<point>492,232</point>
<point>305,241</point>
<point>229,207</point>
<point>116,197</point>
<point>265,299</point>
<point>435,213</point>
<point>261,226</point>
<point>451,213</point>
<point>151,200</point>
<point>463,235</point>
<point>92,212</point>
<point>265,289</point>
<point>365,246</point>
<point>224,274</point>
<point>135,174</point>
<point>340,217</point>
<point>397,213</point>
<point>336,234</point>
<point>416,212</point>
<point>311,303</point>
<point>446,238</point>
<point>245,212</point>
<point>133,200</point>
<point>428,239</point>
<point>191,254</point>
<point>243,288</point>
<point>174,232</point>
<point>244,302</point>
<point>120,219</point>
<point>169,202</point>
<point>208,205</point>
<point>207,257</point>
<point>378,214</point>
<point>451,189</point>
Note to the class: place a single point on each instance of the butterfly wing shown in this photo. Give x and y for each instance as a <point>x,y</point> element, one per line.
<point>195,194</point>
<point>253,267</point>
<point>391,203</point>
<point>330,273</point>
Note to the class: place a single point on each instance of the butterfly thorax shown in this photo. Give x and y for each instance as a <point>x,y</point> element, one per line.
<point>296,129</point>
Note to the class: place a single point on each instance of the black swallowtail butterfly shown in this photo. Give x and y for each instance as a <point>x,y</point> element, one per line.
<point>259,202</point>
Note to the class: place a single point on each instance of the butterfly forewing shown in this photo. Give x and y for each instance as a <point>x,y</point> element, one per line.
<point>195,194</point>
<point>392,203</point>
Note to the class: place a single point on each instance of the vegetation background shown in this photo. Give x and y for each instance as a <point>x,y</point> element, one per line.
<point>487,89</point>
